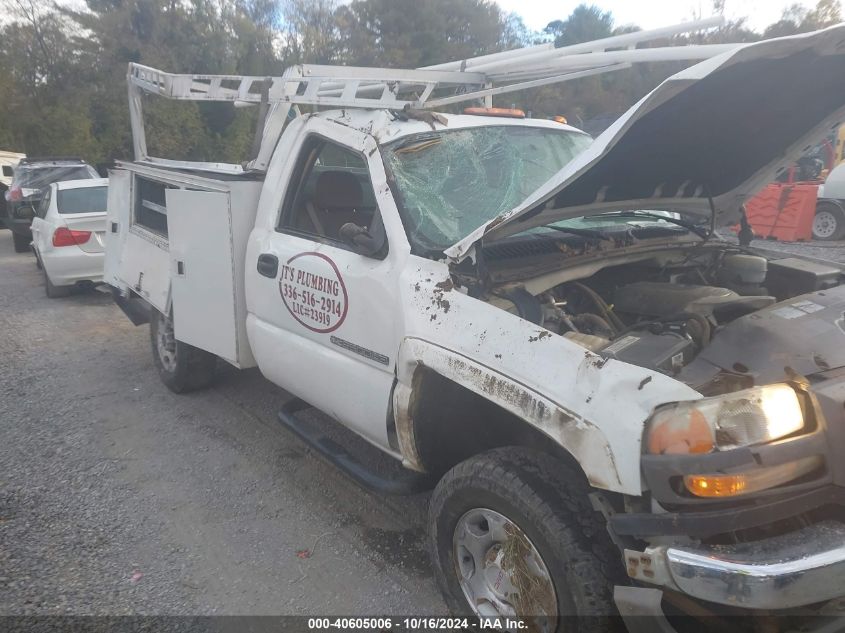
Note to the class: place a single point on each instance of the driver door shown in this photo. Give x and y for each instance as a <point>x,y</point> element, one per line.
<point>322,320</point>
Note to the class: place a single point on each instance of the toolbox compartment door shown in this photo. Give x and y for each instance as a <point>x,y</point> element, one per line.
<point>117,224</point>
<point>202,271</point>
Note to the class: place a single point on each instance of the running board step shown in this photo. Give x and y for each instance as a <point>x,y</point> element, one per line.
<point>406,484</point>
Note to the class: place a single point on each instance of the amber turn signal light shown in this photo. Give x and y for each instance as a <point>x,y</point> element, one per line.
<point>734,485</point>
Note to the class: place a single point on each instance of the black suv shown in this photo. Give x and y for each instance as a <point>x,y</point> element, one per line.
<point>30,178</point>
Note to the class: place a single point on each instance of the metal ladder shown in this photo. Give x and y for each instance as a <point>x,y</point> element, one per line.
<point>474,79</point>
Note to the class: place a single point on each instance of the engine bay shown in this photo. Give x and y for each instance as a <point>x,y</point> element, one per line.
<point>663,310</point>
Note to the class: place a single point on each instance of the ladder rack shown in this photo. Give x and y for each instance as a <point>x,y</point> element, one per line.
<point>473,79</point>
<point>307,84</point>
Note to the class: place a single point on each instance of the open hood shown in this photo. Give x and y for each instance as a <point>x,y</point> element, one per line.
<point>718,130</point>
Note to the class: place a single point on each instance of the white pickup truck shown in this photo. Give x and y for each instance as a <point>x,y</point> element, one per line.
<point>615,409</point>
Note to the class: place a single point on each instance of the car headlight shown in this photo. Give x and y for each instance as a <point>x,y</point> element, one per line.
<point>743,418</point>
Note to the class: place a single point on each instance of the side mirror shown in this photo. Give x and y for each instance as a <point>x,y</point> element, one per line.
<point>360,239</point>
<point>8,172</point>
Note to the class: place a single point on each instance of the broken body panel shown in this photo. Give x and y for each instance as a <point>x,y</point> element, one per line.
<point>700,143</point>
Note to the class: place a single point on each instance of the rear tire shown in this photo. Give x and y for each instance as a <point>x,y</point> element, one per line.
<point>181,367</point>
<point>829,222</point>
<point>21,242</point>
<point>55,292</point>
<point>547,501</point>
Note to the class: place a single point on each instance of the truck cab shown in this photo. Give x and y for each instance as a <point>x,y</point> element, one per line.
<point>339,294</point>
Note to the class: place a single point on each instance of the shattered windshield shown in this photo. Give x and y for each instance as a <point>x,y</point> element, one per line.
<point>451,182</point>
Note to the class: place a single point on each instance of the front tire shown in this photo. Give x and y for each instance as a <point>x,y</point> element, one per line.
<point>512,532</point>
<point>829,222</point>
<point>21,242</point>
<point>181,367</point>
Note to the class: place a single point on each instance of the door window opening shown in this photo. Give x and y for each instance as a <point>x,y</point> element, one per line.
<point>332,188</point>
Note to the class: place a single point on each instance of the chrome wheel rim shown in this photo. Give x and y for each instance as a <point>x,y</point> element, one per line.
<point>824,224</point>
<point>166,343</point>
<point>500,570</point>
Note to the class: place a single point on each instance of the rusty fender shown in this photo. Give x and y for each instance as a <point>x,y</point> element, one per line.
<point>583,440</point>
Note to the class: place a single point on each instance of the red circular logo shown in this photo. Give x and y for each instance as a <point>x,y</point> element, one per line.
<point>313,292</point>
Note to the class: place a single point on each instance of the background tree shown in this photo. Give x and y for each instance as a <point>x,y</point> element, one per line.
<point>311,32</point>
<point>411,33</point>
<point>797,18</point>
<point>63,70</point>
<point>587,22</point>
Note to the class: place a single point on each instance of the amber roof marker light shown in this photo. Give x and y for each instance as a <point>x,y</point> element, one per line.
<point>508,113</point>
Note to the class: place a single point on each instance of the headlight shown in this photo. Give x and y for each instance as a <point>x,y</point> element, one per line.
<point>743,418</point>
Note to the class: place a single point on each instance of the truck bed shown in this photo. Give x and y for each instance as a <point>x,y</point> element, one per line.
<point>176,238</point>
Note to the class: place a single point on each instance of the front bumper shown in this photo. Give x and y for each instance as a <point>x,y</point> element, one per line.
<point>642,611</point>
<point>792,570</point>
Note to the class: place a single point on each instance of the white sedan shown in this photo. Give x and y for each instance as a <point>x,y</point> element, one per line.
<point>68,234</point>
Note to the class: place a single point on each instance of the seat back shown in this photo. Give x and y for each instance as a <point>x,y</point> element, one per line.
<point>337,199</point>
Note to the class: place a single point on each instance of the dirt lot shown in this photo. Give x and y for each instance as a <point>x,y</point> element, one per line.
<point>822,251</point>
<point>119,497</point>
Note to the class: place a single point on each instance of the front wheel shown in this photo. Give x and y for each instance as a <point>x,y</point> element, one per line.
<point>513,534</point>
<point>829,222</point>
<point>180,366</point>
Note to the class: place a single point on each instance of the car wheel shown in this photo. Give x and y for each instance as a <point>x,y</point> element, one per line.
<point>180,366</point>
<point>55,292</point>
<point>829,222</point>
<point>512,533</point>
<point>21,242</point>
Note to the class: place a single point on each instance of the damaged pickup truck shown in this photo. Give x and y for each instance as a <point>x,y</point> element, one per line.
<point>615,407</point>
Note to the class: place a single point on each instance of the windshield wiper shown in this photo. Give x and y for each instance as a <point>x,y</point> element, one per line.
<point>591,233</point>
<point>689,226</point>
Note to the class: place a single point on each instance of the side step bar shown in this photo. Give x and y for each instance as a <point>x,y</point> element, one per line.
<point>409,483</point>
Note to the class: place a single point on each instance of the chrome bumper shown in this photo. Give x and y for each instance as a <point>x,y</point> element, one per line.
<point>792,570</point>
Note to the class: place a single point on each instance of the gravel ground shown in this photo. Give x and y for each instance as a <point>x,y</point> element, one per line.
<point>828,251</point>
<point>119,497</point>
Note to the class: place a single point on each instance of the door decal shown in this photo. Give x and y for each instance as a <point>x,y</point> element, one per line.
<point>313,292</point>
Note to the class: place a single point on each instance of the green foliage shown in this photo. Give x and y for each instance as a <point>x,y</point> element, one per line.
<point>587,22</point>
<point>797,18</point>
<point>63,67</point>
<point>64,74</point>
<point>410,33</point>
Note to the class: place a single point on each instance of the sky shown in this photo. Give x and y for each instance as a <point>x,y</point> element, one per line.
<point>647,14</point>
<point>650,14</point>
